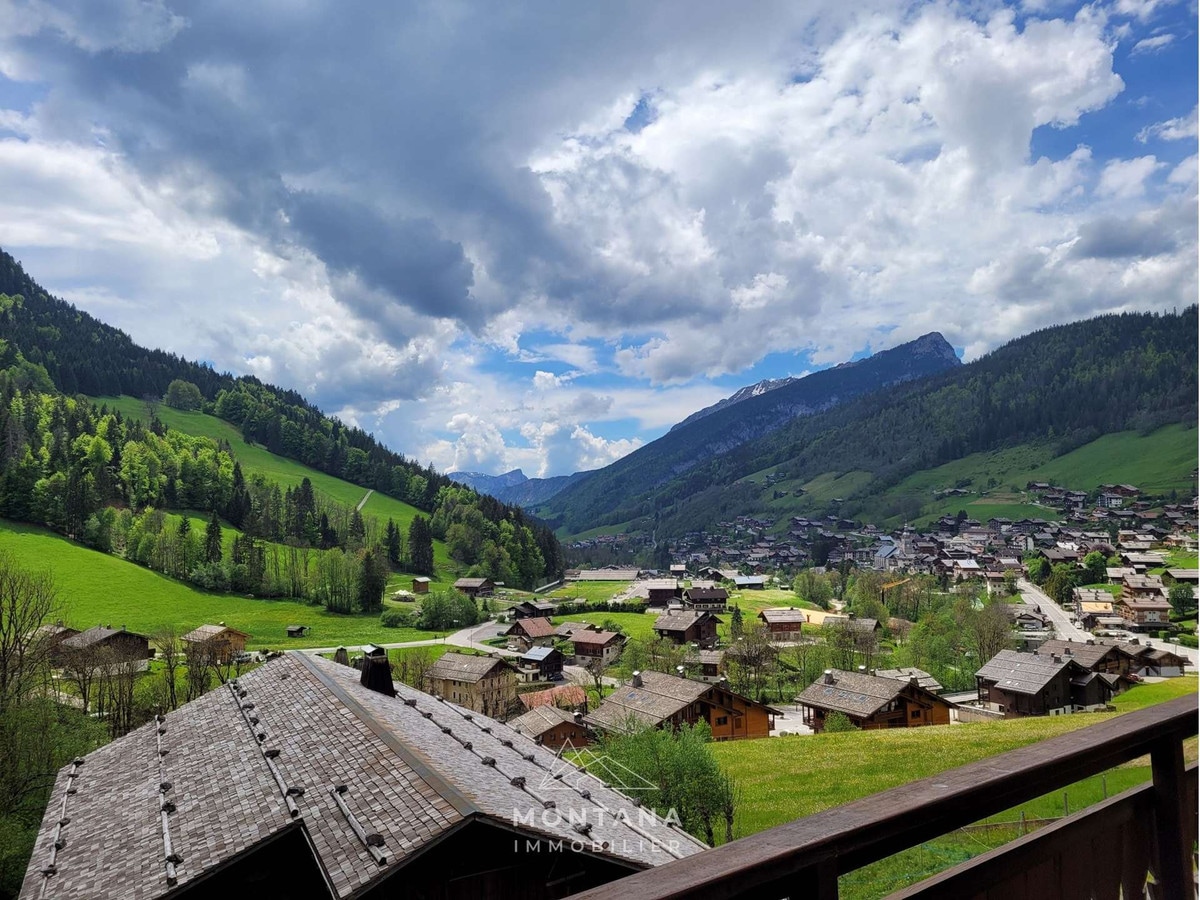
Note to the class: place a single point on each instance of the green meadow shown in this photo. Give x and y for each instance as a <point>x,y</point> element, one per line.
<point>98,588</point>
<point>781,779</point>
<point>257,460</point>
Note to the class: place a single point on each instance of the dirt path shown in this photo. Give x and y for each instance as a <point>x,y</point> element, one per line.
<point>363,501</point>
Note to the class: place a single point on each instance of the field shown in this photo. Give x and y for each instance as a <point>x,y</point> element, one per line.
<point>591,591</point>
<point>256,460</point>
<point>787,778</point>
<point>97,588</point>
<point>635,625</point>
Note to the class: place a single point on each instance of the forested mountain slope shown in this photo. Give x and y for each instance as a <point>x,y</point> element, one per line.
<point>619,492</point>
<point>1066,385</point>
<point>48,344</point>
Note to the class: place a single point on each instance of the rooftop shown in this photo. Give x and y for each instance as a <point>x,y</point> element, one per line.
<point>1023,673</point>
<point>374,780</point>
<point>854,693</point>
<point>461,667</point>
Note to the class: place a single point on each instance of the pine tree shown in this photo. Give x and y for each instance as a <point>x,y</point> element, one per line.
<point>395,550</point>
<point>212,540</point>
<point>420,546</point>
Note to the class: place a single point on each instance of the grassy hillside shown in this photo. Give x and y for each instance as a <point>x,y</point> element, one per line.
<point>787,778</point>
<point>255,460</point>
<point>1159,462</point>
<point>96,588</point>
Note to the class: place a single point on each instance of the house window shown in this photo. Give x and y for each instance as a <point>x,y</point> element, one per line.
<point>916,714</point>
<point>722,720</point>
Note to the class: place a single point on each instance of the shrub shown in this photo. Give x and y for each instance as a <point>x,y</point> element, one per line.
<point>396,618</point>
<point>836,722</point>
<point>1189,640</point>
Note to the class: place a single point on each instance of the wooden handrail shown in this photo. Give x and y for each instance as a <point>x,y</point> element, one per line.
<point>805,856</point>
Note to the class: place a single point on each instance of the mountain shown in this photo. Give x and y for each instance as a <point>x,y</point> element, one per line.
<point>48,346</point>
<point>514,487</point>
<point>932,346</point>
<point>1058,389</point>
<point>604,493</point>
<point>488,484</point>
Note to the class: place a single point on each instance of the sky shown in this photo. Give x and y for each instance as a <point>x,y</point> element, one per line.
<point>536,235</point>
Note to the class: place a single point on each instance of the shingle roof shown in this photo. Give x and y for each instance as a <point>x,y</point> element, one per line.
<point>569,628</point>
<point>535,627</point>
<point>781,616</point>
<point>681,621</point>
<point>461,667</point>
<point>1087,655</point>
<point>659,697</point>
<point>413,768</point>
<point>594,637</point>
<point>854,693</point>
<point>1023,673</point>
<point>539,720</point>
<point>538,653</point>
<point>707,593</point>
<point>471,582</point>
<point>95,636</point>
<point>208,632</point>
<point>924,679</point>
<point>571,695</point>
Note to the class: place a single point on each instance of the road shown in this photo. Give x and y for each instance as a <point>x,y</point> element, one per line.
<point>363,501</point>
<point>470,638</point>
<point>1066,631</point>
<point>1034,596</point>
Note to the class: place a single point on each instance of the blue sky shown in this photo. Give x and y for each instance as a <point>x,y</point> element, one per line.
<point>538,236</point>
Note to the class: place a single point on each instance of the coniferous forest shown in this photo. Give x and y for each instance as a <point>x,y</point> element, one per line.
<point>72,464</point>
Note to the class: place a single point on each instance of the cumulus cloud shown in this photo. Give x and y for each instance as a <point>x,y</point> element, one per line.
<point>619,202</point>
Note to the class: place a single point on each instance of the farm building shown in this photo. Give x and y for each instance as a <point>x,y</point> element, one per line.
<point>475,587</point>
<point>482,683</point>
<point>688,627</point>
<point>551,727</point>
<point>784,624</point>
<point>225,642</point>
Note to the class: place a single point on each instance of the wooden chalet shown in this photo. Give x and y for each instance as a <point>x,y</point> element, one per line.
<point>527,609</point>
<point>597,647</point>
<point>102,638</point>
<point>225,642</point>
<point>688,627</point>
<point>546,663</point>
<point>871,701</point>
<point>1020,684</point>
<point>661,591</point>
<point>530,632</point>
<point>552,727</point>
<point>709,664</point>
<point>784,623</point>
<point>713,599</point>
<point>749,582</point>
<point>353,793</point>
<point>475,587</point>
<point>667,701</point>
<point>1143,613</point>
<point>420,584</point>
<point>482,683</point>
<point>54,635</point>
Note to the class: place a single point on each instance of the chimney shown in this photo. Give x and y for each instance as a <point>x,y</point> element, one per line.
<point>862,670</point>
<point>1135,641</point>
<point>578,717</point>
<point>914,681</point>
<point>637,679</point>
<point>829,676</point>
<point>341,657</point>
<point>679,669</point>
<point>222,624</point>
<point>1056,657</point>
<point>377,673</point>
<point>1091,642</point>
<point>1068,652</point>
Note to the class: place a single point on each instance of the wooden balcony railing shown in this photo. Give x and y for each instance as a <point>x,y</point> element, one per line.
<point>1092,854</point>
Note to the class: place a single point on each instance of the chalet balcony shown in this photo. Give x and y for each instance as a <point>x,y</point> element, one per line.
<point>1138,843</point>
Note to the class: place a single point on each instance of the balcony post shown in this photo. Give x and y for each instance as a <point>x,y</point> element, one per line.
<point>1173,866</point>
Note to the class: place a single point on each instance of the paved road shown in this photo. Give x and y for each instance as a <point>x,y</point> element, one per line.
<point>467,637</point>
<point>1034,596</point>
<point>1062,624</point>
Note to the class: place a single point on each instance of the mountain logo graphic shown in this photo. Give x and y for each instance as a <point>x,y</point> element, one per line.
<point>591,770</point>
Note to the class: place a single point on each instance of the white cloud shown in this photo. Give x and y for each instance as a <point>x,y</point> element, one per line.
<point>340,205</point>
<point>1126,178</point>
<point>1177,129</point>
<point>1152,44</point>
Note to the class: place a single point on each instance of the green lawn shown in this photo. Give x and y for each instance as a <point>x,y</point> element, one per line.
<point>591,591</point>
<point>97,588</point>
<point>257,460</point>
<point>1157,463</point>
<point>779,781</point>
<point>1114,589</point>
<point>635,625</point>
